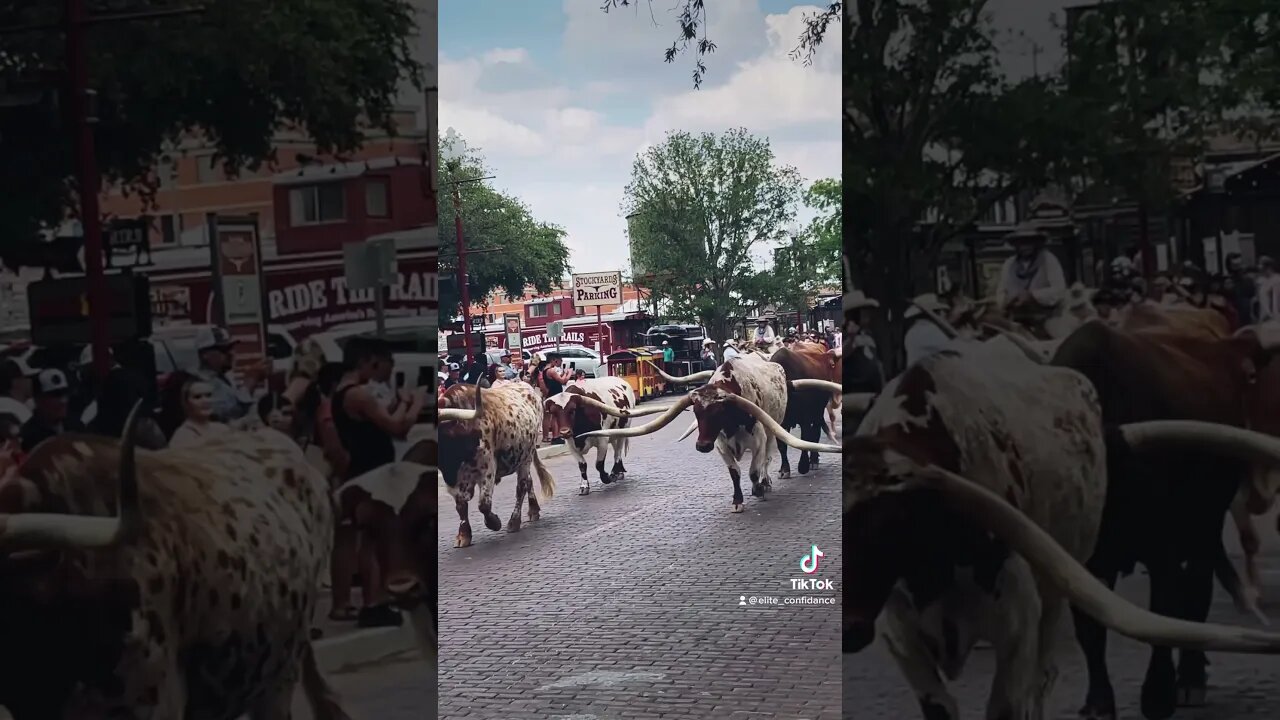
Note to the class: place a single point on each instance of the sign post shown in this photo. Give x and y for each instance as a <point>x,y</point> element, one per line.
<point>595,290</point>
<point>511,326</point>
<point>372,265</point>
<point>555,331</point>
<point>237,264</point>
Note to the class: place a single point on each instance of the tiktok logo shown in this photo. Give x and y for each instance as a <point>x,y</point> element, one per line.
<point>809,562</point>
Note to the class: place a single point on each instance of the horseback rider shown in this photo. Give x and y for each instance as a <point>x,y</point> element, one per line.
<point>1032,283</point>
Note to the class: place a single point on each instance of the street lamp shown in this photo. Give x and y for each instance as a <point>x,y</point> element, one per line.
<point>452,150</point>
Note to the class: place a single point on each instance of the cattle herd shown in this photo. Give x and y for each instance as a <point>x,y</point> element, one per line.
<point>999,481</point>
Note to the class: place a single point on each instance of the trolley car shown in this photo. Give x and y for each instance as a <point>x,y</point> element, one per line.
<point>631,365</point>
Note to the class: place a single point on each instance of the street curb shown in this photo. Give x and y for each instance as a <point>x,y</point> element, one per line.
<point>550,451</point>
<point>363,647</point>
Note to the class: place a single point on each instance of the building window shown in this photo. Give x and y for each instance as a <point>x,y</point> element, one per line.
<point>170,229</point>
<point>555,308</point>
<point>539,310</point>
<point>167,172</point>
<point>579,310</point>
<point>317,204</point>
<point>207,170</point>
<point>376,197</point>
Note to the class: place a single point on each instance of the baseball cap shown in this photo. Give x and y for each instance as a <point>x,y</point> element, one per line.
<point>51,382</point>
<point>454,366</point>
<point>213,337</point>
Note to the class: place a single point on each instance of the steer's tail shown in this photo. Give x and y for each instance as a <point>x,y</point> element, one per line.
<point>545,478</point>
<point>324,702</point>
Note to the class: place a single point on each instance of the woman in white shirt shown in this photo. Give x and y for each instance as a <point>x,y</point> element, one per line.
<point>197,409</point>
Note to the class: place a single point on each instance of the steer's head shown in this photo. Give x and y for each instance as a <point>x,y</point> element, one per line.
<point>395,507</point>
<point>561,409</point>
<point>715,414</point>
<point>459,430</point>
<point>893,528</point>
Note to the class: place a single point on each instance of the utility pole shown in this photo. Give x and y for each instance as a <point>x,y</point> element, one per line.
<point>87,179</point>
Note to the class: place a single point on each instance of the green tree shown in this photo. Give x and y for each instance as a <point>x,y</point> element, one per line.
<point>826,231</point>
<point>933,131</point>
<point>1157,80</point>
<point>702,204</point>
<point>507,248</point>
<point>237,72</point>
<point>691,17</point>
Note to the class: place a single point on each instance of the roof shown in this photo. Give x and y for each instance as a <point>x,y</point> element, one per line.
<point>341,171</point>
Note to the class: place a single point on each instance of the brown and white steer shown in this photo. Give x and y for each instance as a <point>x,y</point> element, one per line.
<point>737,411</point>
<point>974,489</point>
<point>585,406</point>
<point>394,507</point>
<point>170,584</point>
<point>486,435</point>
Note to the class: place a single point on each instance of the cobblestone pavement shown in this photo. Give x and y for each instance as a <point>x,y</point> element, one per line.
<point>1241,687</point>
<point>624,603</point>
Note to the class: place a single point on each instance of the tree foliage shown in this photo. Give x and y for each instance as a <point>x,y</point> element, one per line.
<point>507,248</point>
<point>237,72</point>
<point>1159,79</point>
<point>700,205</point>
<point>692,34</point>
<point>936,132</point>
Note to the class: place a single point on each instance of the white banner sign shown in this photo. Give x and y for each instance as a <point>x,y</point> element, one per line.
<point>596,289</point>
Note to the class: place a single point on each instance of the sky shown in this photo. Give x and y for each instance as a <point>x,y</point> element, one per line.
<point>559,98</point>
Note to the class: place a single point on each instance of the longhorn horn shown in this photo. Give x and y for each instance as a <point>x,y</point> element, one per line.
<point>622,412</point>
<point>648,428</point>
<point>1080,587</point>
<point>48,531</point>
<point>459,414</point>
<point>1020,342</point>
<point>947,328</point>
<point>684,379</point>
<point>1226,439</point>
<point>688,431</point>
<point>772,426</point>
<point>807,384</point>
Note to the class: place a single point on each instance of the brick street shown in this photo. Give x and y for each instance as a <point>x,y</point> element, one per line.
<point>624,603</point>
<point>399,688</point>
<point>1241,687</point>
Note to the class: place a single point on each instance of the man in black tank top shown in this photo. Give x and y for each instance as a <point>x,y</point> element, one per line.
<point>368,431</point>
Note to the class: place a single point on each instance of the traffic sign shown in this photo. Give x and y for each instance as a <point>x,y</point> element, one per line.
<point>555,330</point>
<point>455,342</point>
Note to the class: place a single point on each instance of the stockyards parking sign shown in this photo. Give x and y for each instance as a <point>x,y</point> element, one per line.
<point>596,289</point>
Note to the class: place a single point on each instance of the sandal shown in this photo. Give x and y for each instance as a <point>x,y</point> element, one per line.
<point>346,614</point>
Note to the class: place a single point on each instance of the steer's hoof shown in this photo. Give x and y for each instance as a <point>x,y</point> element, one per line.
<point>784,474</point>
<point>615,477</point>
<point>606,479</point>
<point>585,489</point>
<point>757,490</point>
<point>513,523</point>
<point>534,516</point>
<point>1192,696</point>
<point>1159,697</point>
<point>462,540</point>
<point>492,521</point>
<point>814,461</point>
<point>736,508</point>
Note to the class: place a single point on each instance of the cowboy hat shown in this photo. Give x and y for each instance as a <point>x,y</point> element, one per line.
<point>1025,233</point>
<point>928,301</point>
<point>856,300</point>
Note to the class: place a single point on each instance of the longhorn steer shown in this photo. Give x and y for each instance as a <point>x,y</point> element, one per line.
<point>977,441</point>
<point>593,404</point>
<point>394,507</point>
<point>736,411</point>
<point>485,439</point>
<point>195,601</point>
<point>805,407</point>
<point>1170,517</point>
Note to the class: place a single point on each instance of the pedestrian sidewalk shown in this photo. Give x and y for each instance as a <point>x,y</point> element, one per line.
<point>344,644</point>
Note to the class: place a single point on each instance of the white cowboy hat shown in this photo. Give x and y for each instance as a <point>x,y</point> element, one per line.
<point>856,300</point>
<point>1026,232</point>
<point>708,341</point>
<point>928,301</point>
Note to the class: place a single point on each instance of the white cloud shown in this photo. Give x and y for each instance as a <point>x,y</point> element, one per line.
<point>566,149</point>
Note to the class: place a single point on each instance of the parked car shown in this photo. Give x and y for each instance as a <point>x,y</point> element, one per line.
<point>578,357</point>
<point>176,350</point>
<point>413,351</point>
